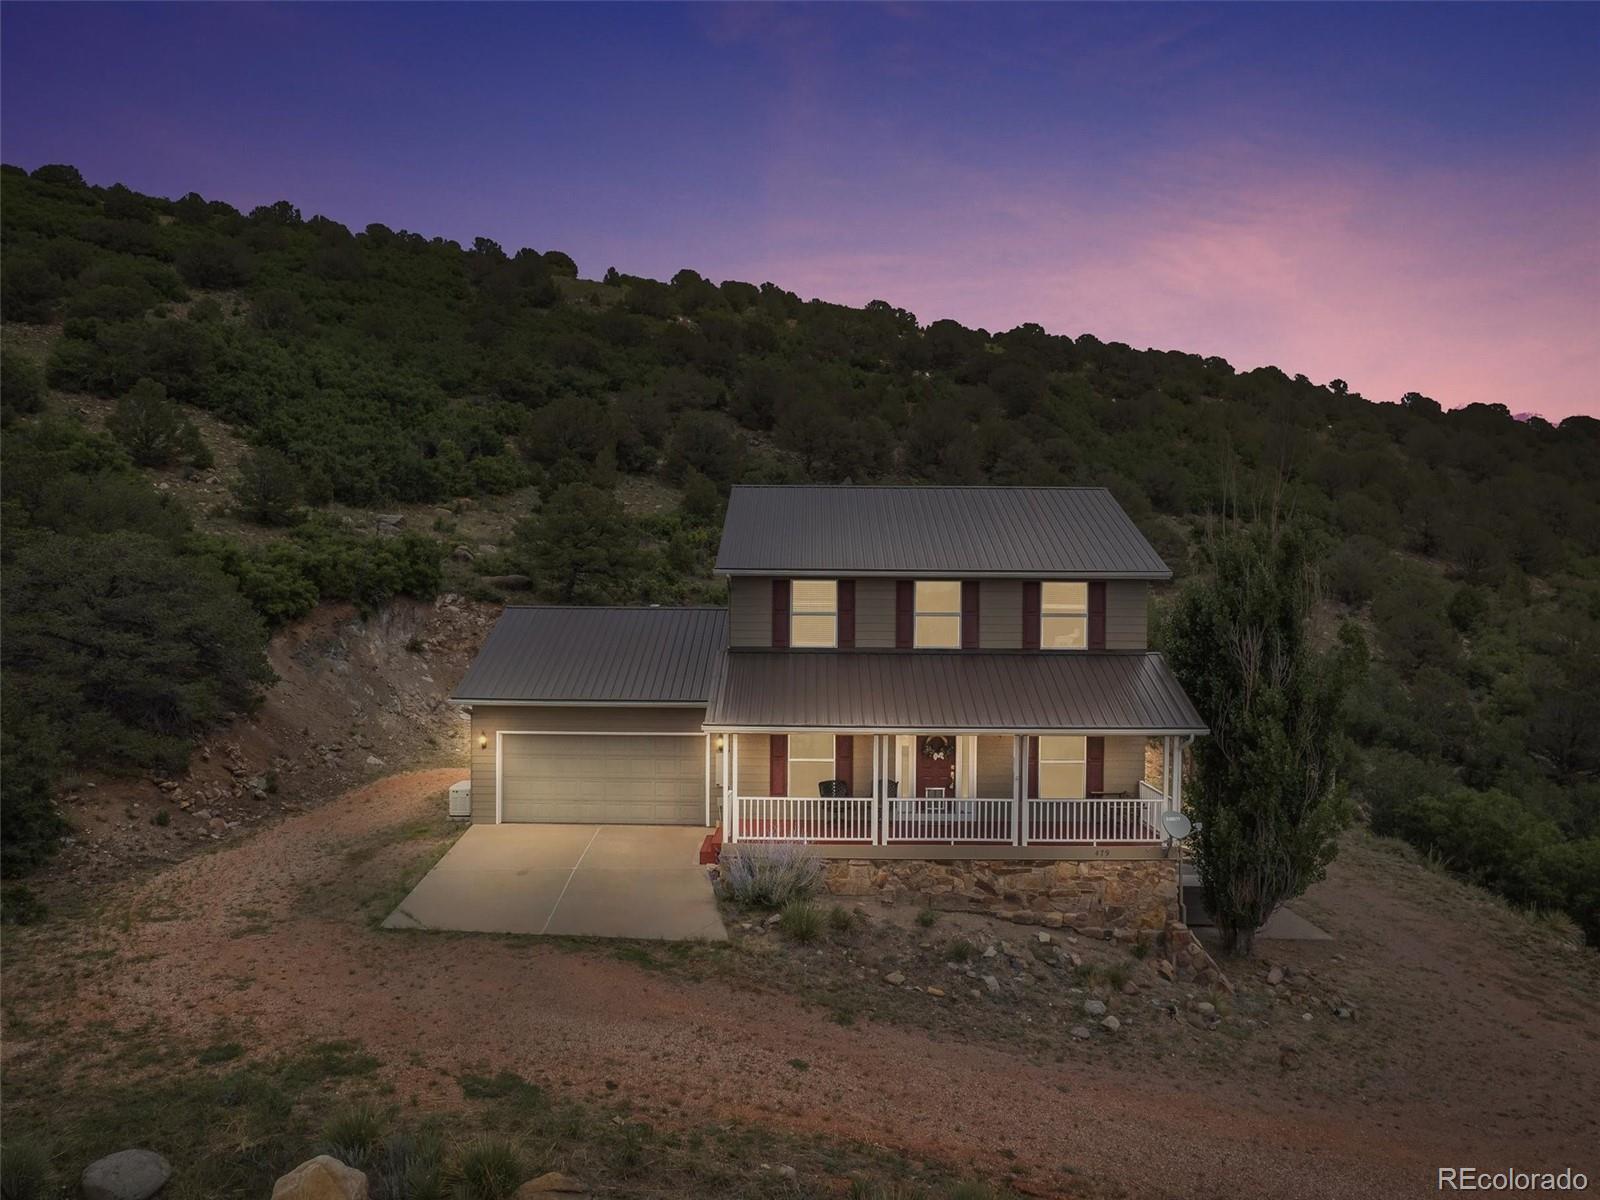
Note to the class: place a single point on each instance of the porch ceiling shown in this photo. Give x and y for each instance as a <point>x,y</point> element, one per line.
<point>951,692</point>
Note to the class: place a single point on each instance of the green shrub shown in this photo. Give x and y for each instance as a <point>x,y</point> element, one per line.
<point>352,1136</point>
<point>25,1172</point>
<point>960,950</point>
<point>801,920</point>
<point>488,1169</point>
<point>20,905</point>
<point>841,919</point>
<point>926,918</point>
<point>408,1167</point>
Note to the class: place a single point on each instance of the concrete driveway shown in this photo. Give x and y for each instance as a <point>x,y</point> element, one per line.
<point>626,881</point>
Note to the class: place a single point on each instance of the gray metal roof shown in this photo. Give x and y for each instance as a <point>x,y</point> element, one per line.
<point>1116,691</point>
<point>598,656</point>
<point>1077,533</point>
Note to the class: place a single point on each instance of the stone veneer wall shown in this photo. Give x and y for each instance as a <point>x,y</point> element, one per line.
<point>1101,897</point>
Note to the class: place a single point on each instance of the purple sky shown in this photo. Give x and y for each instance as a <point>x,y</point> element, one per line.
<point>1403,196</point>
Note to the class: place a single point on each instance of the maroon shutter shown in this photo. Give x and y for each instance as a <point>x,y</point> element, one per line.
<point>778,767</point>
<point>844,761</point>
<point>1030,614</point>
<point>1097,616</point>
<point>780,617</point>
<point>1033,768</point>
<point>905,600</point>
<point>1094,767</point>
<point>847,614</point>
<point>969,614</point>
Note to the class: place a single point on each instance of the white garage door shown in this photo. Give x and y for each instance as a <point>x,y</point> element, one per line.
<point>632,779</point>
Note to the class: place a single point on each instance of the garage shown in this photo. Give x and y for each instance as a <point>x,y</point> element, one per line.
<point>628,779</point>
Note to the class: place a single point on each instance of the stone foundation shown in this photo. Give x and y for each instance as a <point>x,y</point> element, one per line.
<point>1098,898</point>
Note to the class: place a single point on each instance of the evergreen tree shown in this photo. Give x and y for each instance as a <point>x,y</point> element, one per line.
<point>1266,789</point>
<point>582,548</point>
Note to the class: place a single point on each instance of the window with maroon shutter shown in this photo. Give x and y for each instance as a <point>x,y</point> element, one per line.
<point>778,766</point>
<point>1097,616</point>
<point>969,614</point>
<point>844,761</point>
<point>905,610</point>
<point>1033,768</point>
<point>847,614</point>
<point>780,618</point>
<point>1095,766</point>
<point>1030,614</point>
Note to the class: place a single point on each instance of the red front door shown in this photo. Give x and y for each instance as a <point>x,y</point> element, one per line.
<point>937,772</point>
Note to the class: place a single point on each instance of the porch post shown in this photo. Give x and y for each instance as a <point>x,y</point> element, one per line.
<point>1175,802</point>
<point>731,834</point>
<point>877,777</point>
<point>1019,804</point>
<point>708,779</point>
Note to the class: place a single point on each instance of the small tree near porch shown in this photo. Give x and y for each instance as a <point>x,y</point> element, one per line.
<point>1266,787</point>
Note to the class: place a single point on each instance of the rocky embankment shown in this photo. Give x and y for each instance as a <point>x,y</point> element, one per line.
<point>355,697</point>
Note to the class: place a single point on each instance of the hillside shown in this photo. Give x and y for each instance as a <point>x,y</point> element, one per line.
<point>216,421</point>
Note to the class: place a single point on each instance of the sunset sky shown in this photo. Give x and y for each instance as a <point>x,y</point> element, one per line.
<point>1406,197</point>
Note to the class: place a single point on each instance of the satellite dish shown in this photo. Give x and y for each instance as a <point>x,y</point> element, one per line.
<point>1176,825</point>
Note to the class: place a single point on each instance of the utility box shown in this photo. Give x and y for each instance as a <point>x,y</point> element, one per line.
<point>461,799</point>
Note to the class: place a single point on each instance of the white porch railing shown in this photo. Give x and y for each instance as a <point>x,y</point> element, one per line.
<point>949,819</point>
<point>803,819</point>
<point>1096,821</point>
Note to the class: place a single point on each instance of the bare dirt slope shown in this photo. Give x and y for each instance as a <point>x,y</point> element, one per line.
<point>357,697</point>
<point>1483,1051</point>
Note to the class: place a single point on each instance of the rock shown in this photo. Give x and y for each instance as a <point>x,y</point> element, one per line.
<point>773,919</point>
<point>217,825</point>
<point>321,1178</point>
<point>1042,938</point>
<point>787,1172</point>
<point>374,761</point>
<point>989,951</point>
<point>462,554</point>
<point>933,991</point>
<point>1111,1024</point>
<point>1345,1014</point>
<point>1166,970</point>
<point>127,1175</point>
<point>1080,1032</point>
<point>1095,1008</point>
<point>895,978</point>
<point>551,1183</point>
<point>990,982</point>
<point>1206,1009</point>
<point>1130,988</point>
<point>1275,977</point>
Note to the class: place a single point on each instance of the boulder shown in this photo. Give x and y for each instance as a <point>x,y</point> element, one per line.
<point>1111,1024</point>
<point>321,1178</point>
<point>1274,977</point>
<point>894,978</point>
<point>1080,1032</point>
<point>551,1183</point>
<point>125,1175</point>
<point>1094,1008</point>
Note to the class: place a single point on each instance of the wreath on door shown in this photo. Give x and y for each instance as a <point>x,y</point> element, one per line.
<point>938,748</point>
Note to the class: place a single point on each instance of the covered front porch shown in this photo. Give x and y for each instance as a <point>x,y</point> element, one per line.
<point>864,787</point>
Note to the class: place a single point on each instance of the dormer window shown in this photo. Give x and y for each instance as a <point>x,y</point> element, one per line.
<point>938,614</point>
<point>1064,616</point>
<point>814,613</point>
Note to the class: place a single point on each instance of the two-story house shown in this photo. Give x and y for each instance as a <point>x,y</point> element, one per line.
<point>947,691</point>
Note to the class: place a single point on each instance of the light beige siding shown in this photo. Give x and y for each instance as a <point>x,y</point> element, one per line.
<point>994,767</point>
<point>1127,614</point>
<point>1124,764</point>
<point>488,720</point>
<point>861,765</point>
<point>875,614</point>
<point>755,759</point>
<point>750,611</point>
<point>1000,617</point>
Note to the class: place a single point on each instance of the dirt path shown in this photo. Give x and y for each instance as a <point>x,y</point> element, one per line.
<point>265,941</point>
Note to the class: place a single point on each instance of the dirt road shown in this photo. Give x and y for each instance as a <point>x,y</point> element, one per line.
<point>269,941</point>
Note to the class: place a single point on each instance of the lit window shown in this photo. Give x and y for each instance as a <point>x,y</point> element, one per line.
<point>1061,767</point>
<point>1064,616</point>
<point>938,625</point>
<point>814,612</point>
<point>810,762</point>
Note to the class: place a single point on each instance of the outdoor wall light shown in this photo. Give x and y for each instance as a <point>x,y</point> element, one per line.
<point>721,740</point>
<point>483,741</point>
